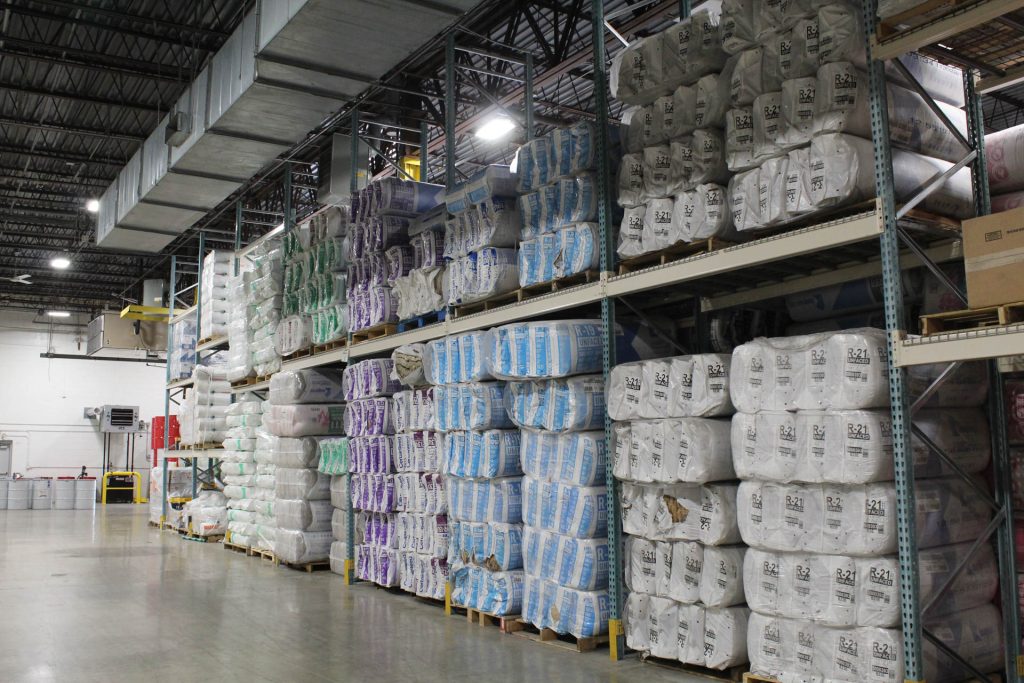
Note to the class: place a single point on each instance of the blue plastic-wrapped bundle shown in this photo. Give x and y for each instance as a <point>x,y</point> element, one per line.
<point>482,455</point>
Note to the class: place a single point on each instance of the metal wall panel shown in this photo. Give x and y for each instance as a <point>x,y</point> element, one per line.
<point>128,184</point>
<point>154,159</point>
<point>194,103</point>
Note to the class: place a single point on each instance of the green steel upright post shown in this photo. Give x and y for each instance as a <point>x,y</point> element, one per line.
<point>353,181</point>
<point>684,8</point>
<point>895,321</point>
<point>289,210</point>
<point>528,98</point>
<point>350,520</point>
<point>424,152</point>
<point>449,112</point>
<point>976,137</point>
<point>167,392</point>
<point>604,203</point>
<point>199,335</point>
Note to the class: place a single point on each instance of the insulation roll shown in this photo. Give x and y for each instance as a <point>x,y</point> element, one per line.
<point>799,49</point>
<point>798,182</point>
<point>797,101</point>
<point>771,191</point>
<point>739,139</point>
<point>840,34</point>
<point>637,73</point>
<point>748,78</point>
<point>1004,154</point>
<point>721,582</point>
<point>769,139</point>
<point>745,200</point>
<point>299,547</point>
<point>713,100</point>
<point>842,172</point>
<point>1007,202</point>
<point>631,232</point>
<point>659,230</point>
<point>843,106</point>
<point>738,25</point>
<point>307,386</point>
<point>681,165</point>
<point>684,112</point>
<point>710,216</point>
<point>303,515</point>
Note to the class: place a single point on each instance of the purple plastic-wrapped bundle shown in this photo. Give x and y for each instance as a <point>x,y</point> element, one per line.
<point>372,454</point>
<point>373,492</point>
<point>383,306</point>
<point>368,417</point>
<point>369,379</point>
<point>376,269</point>
<point>385,232</point>
<point>399,262</point>
<point>380,530</point>
<point>428,249</point>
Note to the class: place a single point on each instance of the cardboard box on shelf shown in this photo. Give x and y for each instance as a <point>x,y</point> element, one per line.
<point>994,258</point>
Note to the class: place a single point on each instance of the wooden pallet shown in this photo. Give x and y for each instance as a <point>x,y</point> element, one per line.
<point>496,301</point>
<point>308,567</point>
<point>422,321</point>
<point>215,538</point>
<point>505,624</point>
<point>751,677</point>
<point>330,346</point>
<point>200,447</point>
<point>249,381</point>
<point>207,340</point>
<point>676,252</point>
<point>264,555</point>
<point>734,673</point>
<point>301,353</point>
<point>375,332</point>
<point>525,629</point>
<point>557,285</point>
<point>245,550</point>
<point>973,318</point>
<point>155,525</point>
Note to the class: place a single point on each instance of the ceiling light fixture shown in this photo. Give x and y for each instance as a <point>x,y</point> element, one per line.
<point>58,314</point>
<point>60,263</point>
<point>92,206</point>
<point>495,128</point>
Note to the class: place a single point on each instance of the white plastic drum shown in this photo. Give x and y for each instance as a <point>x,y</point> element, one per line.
<point>4,483</point>
<point>85,494</point>
<point>64,494</point>
<point>19,494</point>
<point>42,494</point>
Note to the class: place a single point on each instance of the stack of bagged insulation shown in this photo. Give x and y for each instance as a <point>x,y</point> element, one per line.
<point>558,207</point>
<point>334,463</point>
<point>684,563</point>
<point>264,287</point>
<point>264,530</point>
<point>202,414</point>
<point>557,401</point>
<point>181,359</point>
<point>483,477</point>
<point>420,500</point>
<point>772,102</point>
<point>304,404</point>
<point>323,298</point>
<point>1004,156</point>
<point>480,237</point>
<point>380,220</point>
<point>214,294</point>
<point>240,333</point>
<point>179,485</point>
<point>239,469</point>
<point>416,271</point>
<point>812,442</point>
<point>370,426</point>
<point>295,330</point>
<point>206,514</point>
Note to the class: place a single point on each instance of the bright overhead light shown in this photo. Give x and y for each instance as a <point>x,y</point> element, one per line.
<point>58,314</point>
<point>496,128</point>
<point>60,263</point>
<point>92,206</point>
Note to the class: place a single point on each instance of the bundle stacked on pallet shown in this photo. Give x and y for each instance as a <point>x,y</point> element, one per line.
<point>480,237</point>
<point>558,205</point>
<point>202,415</point>
<point>379,223</point>
<point>420,500</point>
<point>754,115</point>
<point>239,469</point>
<point>264,296</point>
<point>240,335</point>
<point>334,463</point>
<point>1004,157</point>
<point>812,443</point>
<point>323,298</point>
<point>214,294</point>
<point>179,485</point>
<point>181,357</point>
<point>294,332</point>
<point>553,397</point>
<point>684,565</point>
<point>303,404</point>
<point>370,426</point>
<point>206,514</point>
<point>483,476</point>
<point>264,530</point>
<point>416,271</point>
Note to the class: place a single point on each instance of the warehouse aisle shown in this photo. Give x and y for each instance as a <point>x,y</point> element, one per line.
<point>115,600</point>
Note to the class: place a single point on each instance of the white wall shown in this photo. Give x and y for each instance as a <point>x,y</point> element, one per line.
<point>41,400</point>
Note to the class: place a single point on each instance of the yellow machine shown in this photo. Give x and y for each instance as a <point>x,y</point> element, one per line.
<point>118,483</point>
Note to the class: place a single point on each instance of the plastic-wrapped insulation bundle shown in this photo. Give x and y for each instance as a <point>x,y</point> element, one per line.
<point>637,72</point>
<point>739,139</point>
<point>843,106</point>
<point>798,48</point>
<point>1004,154</point>
<point>841,34</point>
<point>842,172</point>
<point>217,270</point>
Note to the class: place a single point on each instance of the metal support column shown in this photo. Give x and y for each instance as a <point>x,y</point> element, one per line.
<point>976,139</point>
<point>289,209</point>
<point>238,235</point>
<point>528,98</point>
<point>684,9</point>
<point>424,152</point>
<point>350,521</point>
<point>604,203</point>
<point>895,321</point>
<point>449,112</point>
<point>199,335</point>
<point>167,392</point>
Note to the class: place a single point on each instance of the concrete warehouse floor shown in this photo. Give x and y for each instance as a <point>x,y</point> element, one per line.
<point>103,597</point>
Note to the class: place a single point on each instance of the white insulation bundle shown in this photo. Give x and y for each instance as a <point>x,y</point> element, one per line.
<point>854,519</point>
<point>840,590</point>
<point>692,634</point>
<point>306,386</point>
<point>1004,154</point>
<point>681,512</point>
<point>791,650</point>
<point>682,386</point>
<point>688,449</point>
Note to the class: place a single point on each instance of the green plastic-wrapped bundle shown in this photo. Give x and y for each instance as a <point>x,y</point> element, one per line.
<point>334,456</point>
